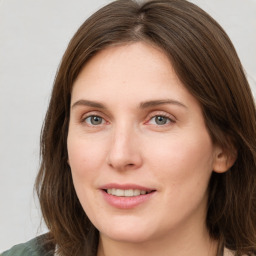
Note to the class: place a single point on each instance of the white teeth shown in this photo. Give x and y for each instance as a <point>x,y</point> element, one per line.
<point>119,192</point>
<point>137,192</point>
<point>125,192</point>
<point>128,192</point>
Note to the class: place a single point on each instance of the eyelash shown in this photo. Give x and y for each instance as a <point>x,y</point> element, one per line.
<point>169,118</point>
<point>166,117</point>
<point>93,116</point>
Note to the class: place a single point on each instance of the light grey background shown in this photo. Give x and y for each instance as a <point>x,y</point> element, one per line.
<point>33,37</point>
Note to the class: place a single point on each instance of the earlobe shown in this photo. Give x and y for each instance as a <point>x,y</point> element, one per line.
<point>224,160</point>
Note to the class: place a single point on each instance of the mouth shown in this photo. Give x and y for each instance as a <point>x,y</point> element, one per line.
<point>127,196</point>
<point>127,192</point>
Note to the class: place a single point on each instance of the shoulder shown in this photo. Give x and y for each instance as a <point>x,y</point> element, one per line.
<point>228,252</point>
<point>30,248</point>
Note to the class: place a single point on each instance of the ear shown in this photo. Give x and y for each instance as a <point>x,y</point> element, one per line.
<point>224,159</point>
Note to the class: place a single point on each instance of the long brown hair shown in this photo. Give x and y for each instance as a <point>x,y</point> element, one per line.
<point>208,66</point>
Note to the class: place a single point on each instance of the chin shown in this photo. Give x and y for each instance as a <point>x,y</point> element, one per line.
<point>127,233</point>
<point>128,237</point>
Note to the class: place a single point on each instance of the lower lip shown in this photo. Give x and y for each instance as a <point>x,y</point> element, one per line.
<point>123,202</point>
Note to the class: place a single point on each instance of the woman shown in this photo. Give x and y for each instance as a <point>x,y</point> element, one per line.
<point>148,146</point>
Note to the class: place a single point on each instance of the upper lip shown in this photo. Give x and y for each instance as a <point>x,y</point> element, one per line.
<point>126,186</point>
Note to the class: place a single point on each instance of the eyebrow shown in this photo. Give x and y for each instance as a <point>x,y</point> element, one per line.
<point>88,103</point>
<point>154,103</point>
<point>143,105</point>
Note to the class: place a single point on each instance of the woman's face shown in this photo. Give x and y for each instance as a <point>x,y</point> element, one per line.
<point>139,151</point>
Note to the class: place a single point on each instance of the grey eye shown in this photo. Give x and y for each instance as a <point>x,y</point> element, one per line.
<point>94,120</point>
<point>161,120</point>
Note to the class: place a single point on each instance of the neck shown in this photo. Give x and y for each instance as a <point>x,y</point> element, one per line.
<point>188,243</point>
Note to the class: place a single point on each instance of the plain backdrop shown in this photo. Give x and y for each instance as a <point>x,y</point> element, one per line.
<point>33,37</point>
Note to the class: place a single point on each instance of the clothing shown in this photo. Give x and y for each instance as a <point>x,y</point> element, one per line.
<point>35,248</point>
<point>31,248</point>
<point>227,252</point>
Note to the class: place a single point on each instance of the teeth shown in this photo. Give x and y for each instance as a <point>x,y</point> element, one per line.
<point>125,192</point>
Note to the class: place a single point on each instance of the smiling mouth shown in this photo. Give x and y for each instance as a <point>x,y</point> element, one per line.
<point>126,192</point>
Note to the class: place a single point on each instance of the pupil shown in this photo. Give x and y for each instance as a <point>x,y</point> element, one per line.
<point>96,120</point>
<point>161,120</point>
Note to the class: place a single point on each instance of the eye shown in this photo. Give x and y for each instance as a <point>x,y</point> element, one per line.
<point>160,120</point>
<point>94,120</point>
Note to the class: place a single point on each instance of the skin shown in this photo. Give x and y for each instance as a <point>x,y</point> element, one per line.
<point>128,144</point>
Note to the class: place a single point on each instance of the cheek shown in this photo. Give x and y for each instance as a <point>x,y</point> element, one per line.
<point>84,161</point>
<point>183,158</point>
<point>184,169</point>
<point>85,156</point>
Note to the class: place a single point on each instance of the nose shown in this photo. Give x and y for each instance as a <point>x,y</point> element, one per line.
<point>124,152</point>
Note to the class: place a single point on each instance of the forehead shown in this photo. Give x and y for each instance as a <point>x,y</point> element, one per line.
<point>132,55</point>
<point>131,73</point>
<point>127,63</point>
